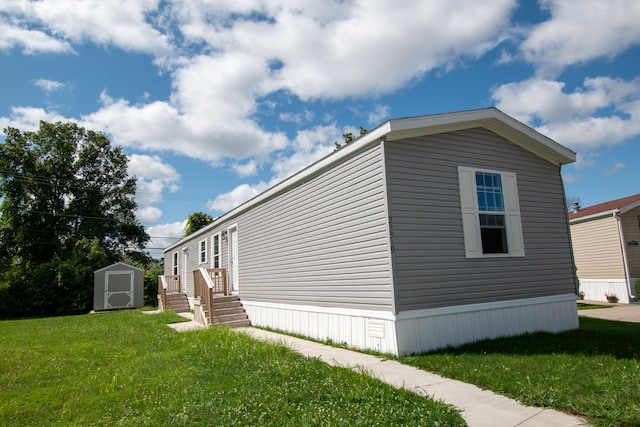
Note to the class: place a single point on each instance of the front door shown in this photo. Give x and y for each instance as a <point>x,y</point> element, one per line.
<point>234,285</point>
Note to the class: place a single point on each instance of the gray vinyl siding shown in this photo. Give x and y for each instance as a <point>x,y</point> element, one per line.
<point>431,269</point>
<point>323,242</point>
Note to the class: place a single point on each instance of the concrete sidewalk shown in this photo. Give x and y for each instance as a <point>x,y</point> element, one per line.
<point>619,312</point>
<point>478,407</point>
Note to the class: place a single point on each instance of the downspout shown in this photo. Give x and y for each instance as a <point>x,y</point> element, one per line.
<point>623,245</point>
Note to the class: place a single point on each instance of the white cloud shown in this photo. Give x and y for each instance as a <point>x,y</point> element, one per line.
<point>31,41</point>
<point>164,235</point>
<point>603,111</point>
<point>104,22</point>
<point>308,146</point>
<point>248,169</point>
<point>618,166</point>
<point>148,215</point>
<point>28,118</point>
<point>378,115</point>
<point>580,31</point>
<point>48,85</point>
<point>154,178</point>
<point>227,201</point>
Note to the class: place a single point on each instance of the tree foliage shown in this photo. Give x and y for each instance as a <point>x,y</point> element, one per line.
<point>67,208</point>
<point>348,138</point>
<point>196,221</point>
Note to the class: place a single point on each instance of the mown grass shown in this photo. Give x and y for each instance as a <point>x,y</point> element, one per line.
<point>128,368</point>
<point>592,372</point>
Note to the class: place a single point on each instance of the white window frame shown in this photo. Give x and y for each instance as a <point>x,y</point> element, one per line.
<point>202,252</point>
<point>213,251</point>
<point>175,264</point>
<point>471,214</point>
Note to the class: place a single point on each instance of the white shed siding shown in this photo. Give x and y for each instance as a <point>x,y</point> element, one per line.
<point>323,242</point>
<point>429,256</point>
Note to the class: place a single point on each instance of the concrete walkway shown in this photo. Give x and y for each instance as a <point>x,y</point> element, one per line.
<point>619,312</point>
<point>478,407</point>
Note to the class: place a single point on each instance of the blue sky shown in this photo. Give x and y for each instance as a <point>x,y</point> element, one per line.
<point>215,101</point>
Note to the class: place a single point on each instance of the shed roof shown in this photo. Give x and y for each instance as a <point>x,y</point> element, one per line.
<point>489,118</point>
<point>607,208</point>
<point>121,264</point>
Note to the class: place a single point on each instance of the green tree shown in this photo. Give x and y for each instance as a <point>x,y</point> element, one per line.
<point>67,207</point>
<point>196,221</point>
<point>348,138</point>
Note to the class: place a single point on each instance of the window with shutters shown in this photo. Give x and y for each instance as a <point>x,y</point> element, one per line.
<point>490,213</point>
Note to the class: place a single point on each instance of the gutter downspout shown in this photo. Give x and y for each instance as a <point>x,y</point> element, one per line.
<point>623,245</point>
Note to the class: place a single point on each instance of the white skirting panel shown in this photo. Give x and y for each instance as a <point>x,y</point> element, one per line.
<point>361,329</point>
<point>426,330</point>
<point>596,289</point>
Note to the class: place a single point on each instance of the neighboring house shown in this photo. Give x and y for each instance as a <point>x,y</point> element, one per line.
<point>606,248</point>
<point>424,233</point>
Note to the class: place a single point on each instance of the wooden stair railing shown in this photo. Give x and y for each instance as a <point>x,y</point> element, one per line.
<point>167,284</point>
<point>207,282</point>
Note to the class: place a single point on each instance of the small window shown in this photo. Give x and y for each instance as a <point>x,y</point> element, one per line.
<point>491,221</point>
<point>215,262</point>
<point>493,230</point>
<point>175,264</point>
<point>203,251</point>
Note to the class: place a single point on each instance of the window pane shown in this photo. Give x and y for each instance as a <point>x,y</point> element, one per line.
<point>489,191</point>
<point>493,233</point>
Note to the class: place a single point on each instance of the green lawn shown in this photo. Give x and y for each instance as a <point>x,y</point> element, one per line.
<point>128,368</point>
<point>592,372</point>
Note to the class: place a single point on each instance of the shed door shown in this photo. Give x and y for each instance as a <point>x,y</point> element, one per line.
<point>118,289</point>
<point>233,259</point>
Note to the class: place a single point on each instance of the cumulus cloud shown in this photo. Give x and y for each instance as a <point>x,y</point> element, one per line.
<point>164,235</point>
<point>603,111</point>
<point>104,22</point>
<point>227,201</point>
<point>580,31</point>
<point>48,85</point>
<point>155,177</point>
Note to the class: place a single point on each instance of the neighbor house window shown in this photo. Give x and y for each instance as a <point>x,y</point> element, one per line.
<point>490,213</point>
<point>215,261</point>
<point>175,264</point>
<point>203,251</point>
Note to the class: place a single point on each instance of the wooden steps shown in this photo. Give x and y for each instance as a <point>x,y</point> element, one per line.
<point>228,311</point>
<point>178,302</point>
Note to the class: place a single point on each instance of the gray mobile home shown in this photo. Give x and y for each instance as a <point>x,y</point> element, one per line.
<point>426,232</point>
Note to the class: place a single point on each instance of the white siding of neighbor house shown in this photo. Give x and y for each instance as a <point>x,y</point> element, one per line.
<point>431,269</point>
<point>322,243</point>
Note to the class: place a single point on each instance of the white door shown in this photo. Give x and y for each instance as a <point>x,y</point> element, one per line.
<point>234,284</point>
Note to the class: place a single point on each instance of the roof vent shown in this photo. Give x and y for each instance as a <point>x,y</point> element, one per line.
<point>575,206</point>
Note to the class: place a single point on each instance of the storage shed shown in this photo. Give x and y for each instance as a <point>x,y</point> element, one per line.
<point>118,286</point>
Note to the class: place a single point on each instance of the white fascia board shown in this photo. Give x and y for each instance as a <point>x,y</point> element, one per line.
<point>630,207</point>
<point>594,216</point>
